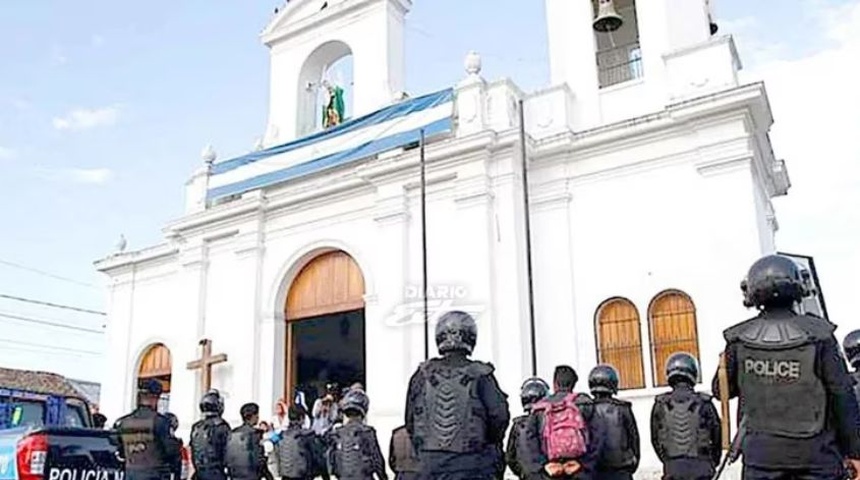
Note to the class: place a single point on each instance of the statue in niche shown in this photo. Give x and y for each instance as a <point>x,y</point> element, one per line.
<point>333,110</point>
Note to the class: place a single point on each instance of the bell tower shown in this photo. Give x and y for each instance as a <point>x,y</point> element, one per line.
<point>599,47</point>
<point>311,44</point>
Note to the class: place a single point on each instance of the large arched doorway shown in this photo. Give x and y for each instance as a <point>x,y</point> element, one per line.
<point>325,326</point>
<point>156,364</point>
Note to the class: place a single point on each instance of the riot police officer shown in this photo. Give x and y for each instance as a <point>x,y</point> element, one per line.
<point>299,451</point>
<point>851,345</point>
<point>619,457</point>
<point>799,408</point>
<point>354,447</point>
<point>209,439</point>
<point>519,454</point>
<point>685,425</point>
<point>176,467</point>
<point>456,414</point>
<point>245,457</point>
<point>144,434</point>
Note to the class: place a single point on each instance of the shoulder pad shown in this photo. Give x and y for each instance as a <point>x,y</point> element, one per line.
<point>621,403</point>
<point>819,327</point>
<point>780,332</point>
<point>369,429</point>
<point>483,368</point>
<point>732,334</point>
<point>705,396</point>
<point>663,397</point>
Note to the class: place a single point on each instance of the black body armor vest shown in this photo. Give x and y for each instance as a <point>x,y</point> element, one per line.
<point>779,385</point>
<point>137,433</point>
<point>243,453</point>
<point>449,416</point>
<point>294,452</point>
<point>684,432</point>
<point>617,451</point>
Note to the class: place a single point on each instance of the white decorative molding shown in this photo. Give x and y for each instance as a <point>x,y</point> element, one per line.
<point>782,182</point>
<point>543,200</point>
<point>391,210</point>
<point>473,191</point>
<point>725,165</point>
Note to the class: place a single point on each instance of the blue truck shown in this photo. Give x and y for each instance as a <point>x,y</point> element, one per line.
<point>46,432</point>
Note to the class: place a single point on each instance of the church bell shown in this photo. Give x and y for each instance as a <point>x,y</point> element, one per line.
<point>607,19</point>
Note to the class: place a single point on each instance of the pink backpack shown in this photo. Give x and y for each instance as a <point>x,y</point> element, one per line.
<point>565,433</point>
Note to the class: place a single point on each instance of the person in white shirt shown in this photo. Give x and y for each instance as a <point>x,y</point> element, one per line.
<point>325,411</point>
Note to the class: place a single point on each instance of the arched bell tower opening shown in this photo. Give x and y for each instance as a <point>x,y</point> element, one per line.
<point>357,45</point>
<point>325,89</point>
<point>616,36</point>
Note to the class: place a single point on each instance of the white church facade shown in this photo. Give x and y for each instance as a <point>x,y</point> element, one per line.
<point>650,179</point>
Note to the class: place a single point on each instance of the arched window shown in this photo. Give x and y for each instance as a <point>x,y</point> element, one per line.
<point>672,325</point>
<point>619,342</point>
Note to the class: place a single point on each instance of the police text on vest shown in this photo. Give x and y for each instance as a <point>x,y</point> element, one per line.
<point>787,369</point>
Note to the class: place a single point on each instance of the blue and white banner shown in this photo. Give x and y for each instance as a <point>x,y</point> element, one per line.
<point>387,129</point>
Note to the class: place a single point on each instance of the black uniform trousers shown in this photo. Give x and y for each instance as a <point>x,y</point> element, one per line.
<point>612,475</point>
<point>688,469</point>
<point>754,473</point>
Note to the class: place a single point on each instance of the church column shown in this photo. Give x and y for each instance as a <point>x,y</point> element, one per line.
<point>117,391</point>
<point>562,338</point>
<point>248,369</point>
<point>188,330</point>
<point>387,337</point>
<point>475,269</point>
<point>388,342</point>
<point>510,274</point>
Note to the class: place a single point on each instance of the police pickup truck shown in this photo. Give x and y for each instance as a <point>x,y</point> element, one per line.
<point>46,432</point>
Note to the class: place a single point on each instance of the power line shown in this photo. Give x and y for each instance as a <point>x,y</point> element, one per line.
<point>52,324</point>
<point>49,347</point>
<point>47,352</point>
<point>45,274</point>
<point>49,304</point>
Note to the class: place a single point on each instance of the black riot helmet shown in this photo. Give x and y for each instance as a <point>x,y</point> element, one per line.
<point>456,331</point>
<point>355,401</point>
<point>681,367</point>
<point>533,390</point>
<point>774,281</point>
<point>212,402</point>
<point>851,345</point>
<point>603,379</point>
<point>173,420</point>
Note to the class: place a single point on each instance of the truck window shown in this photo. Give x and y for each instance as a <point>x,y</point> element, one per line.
<point>74,417</point>
<point>32,413</point>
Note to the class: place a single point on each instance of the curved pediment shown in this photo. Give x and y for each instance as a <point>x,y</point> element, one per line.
<point>298,14</point>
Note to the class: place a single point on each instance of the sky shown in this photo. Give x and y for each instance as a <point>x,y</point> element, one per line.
<point>104,112</point>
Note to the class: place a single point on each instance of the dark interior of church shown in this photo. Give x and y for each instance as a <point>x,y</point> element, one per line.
<point>330,349</point>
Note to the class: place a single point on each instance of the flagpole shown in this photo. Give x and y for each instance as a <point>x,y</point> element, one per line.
<point>527,219</point>
<point>424,247</point>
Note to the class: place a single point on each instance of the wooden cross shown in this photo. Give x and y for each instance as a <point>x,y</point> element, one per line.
<point>205,363</point>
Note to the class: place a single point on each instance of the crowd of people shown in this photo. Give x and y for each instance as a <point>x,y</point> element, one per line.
<point>799,411</point>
